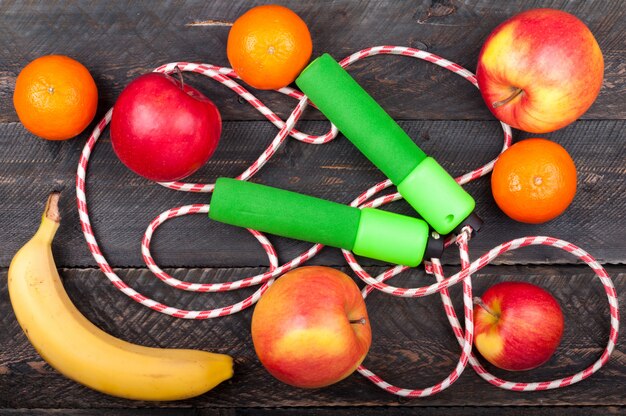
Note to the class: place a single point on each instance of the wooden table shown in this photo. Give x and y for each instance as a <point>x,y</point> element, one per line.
<point>413,345</point>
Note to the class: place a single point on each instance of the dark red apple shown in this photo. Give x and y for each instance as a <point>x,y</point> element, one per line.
<point>518,325</point>
<point>163,129</point>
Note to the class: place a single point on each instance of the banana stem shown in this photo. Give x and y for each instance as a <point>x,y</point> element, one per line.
<point>52,207</point>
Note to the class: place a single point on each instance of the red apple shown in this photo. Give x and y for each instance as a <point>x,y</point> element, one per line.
<point>540,70</point>
<point>518,325</point>
<point>162,129</point>
<point>311,329</point>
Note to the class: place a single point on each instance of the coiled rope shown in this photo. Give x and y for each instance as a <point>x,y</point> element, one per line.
<point>227,77</point>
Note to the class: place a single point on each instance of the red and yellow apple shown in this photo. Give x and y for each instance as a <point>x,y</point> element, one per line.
<point>311,329</point>
<point>518,325</point>
<point>540,70</point>
<point>162,129</point>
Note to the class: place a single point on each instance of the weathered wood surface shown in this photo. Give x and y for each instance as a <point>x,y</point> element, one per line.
<point>413,345</point>
<point>122,204</point>
<point>117,412</point>
<point>331,411</point>
<point>119,40</point>
<point>433,411</point>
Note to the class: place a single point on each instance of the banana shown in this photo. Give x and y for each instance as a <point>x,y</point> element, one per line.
<point>75,347</point>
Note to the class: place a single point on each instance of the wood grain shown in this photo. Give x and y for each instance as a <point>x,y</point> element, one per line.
<point>321,411</point>
<point>115,412</point>
<point>118,41</point>
<point>436,411</point>
<point>122,204</point>
<point>412,344</point>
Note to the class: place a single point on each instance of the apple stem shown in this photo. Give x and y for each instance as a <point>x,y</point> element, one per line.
<point>360,321</point>
<point>180,76</point>
<point>515,93</point>
<point>478,301</point>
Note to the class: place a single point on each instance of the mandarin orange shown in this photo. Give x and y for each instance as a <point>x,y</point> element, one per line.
<point>268,46</point>
<point>55,97</point>
<point>534,181</point>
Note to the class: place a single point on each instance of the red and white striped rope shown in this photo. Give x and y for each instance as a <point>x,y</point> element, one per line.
<point>226,76</point>
<point>544,385</point>
<point>465,275</point>
<point>466,337</point>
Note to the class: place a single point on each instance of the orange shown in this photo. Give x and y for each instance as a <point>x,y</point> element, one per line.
<point>534,181</point>
<point>268,46</point>
<point>55,97</point>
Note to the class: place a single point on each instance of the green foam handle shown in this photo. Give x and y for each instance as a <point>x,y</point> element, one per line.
<point>436,196</point>
<point>284,213</point>
<point>372,233</point>
<point>360,118</point>
<point>425,185</point>
<point>391,237</point>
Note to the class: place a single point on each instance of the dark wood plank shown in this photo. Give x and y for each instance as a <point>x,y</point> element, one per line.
<point>437,411</point>
<point>323,411</point>
<point>412,345</point>
<point>118,41</point>
<point>122,204</point>
<point>113,412</point>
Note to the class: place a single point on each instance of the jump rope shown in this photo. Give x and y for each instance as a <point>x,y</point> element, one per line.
<point>227,77</point>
